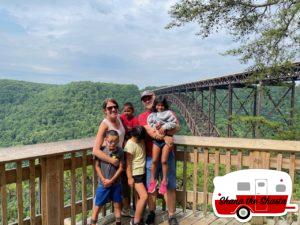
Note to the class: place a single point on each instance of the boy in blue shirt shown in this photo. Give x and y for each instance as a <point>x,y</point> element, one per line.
<point>109,182</point>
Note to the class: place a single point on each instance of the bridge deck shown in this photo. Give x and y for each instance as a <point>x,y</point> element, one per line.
<point>188,218</point>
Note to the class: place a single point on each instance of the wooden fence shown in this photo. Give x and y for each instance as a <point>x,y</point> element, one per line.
<point>44,167</point>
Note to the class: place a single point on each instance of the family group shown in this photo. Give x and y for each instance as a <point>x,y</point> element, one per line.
<point>136,153</point>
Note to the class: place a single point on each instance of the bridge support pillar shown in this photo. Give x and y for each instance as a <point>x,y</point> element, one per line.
<point>229,126</point>
<point>260,96</point>
<point>254,129</point>
<point>293,98</point>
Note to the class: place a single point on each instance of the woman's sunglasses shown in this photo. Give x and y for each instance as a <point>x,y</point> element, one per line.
<point>112,107</point>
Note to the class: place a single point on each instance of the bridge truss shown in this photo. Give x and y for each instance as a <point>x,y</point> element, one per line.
<point>225,106</point>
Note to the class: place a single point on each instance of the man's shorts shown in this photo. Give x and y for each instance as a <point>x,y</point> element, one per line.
<point>107,194</point>
<point>171,171</point>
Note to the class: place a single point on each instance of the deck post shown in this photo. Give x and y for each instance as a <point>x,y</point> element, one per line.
<point>184,172</point>
<point>52,190</point>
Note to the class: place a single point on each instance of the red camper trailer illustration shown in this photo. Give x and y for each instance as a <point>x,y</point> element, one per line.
<point>253,192</point>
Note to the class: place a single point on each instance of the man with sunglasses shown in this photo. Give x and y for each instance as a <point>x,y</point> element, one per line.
<point>147,99</point>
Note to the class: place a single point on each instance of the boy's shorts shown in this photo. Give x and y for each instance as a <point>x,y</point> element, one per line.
<point>107,194</point>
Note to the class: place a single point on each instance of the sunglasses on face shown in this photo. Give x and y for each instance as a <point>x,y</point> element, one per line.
<point>112,107</point>
<point>146,98</point>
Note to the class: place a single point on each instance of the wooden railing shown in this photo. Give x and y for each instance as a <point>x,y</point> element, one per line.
<point>56,181</point>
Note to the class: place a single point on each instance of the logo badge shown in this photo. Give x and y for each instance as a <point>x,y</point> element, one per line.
<point>253,192</point>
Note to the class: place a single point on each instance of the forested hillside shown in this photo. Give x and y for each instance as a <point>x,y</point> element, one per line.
<point>33,113</point>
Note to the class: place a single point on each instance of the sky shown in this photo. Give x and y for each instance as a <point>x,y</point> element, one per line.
<point>118,41</point>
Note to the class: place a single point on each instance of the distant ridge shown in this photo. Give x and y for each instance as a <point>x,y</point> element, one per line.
<point>35,113</point>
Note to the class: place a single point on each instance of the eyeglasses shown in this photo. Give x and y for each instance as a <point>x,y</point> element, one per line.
<point>146,98</point>
<point>112,107</point>
<point>112,142</point>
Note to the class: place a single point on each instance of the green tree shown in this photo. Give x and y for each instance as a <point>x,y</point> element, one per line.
<point>267,31</point>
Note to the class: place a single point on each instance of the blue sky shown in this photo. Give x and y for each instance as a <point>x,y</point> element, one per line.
<point>106,41</point>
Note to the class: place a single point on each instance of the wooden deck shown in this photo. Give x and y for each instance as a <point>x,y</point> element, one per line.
<point>188,218</point>
<point>54,166</point>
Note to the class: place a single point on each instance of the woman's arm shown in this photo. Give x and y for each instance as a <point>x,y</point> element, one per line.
<point>99,142</point>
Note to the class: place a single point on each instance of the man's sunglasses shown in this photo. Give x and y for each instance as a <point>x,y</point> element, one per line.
<point>112,107</point>
<point>146,98</point>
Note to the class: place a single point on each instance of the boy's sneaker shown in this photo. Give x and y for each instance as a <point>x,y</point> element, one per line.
<point>163,188</point>
<point>152,186</point>
<point>150,218</point>
<point>173,221</point>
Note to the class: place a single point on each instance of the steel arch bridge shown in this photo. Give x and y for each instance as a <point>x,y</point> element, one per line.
<point>214,107</point>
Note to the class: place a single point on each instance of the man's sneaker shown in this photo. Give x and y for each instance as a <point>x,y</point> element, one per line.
<point>173,221</point>
<point>163,188</point>
<point>152,186</point>
<point>150,218</point>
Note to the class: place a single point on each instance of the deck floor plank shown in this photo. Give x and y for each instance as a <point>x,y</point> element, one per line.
<point>187,218</point>
<point>206,220</point>
<point>192,219</point>
<point>180,215</point>
<point>221,221</point>
<point>235,222</point>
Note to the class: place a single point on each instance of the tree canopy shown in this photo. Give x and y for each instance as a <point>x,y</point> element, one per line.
<point>267,30</point>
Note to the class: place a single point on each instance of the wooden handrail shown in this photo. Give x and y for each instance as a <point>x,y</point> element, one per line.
<point>239,143</point>
<point>26,152</point>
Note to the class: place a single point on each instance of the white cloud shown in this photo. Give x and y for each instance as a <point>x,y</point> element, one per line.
<point>118,40</point>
